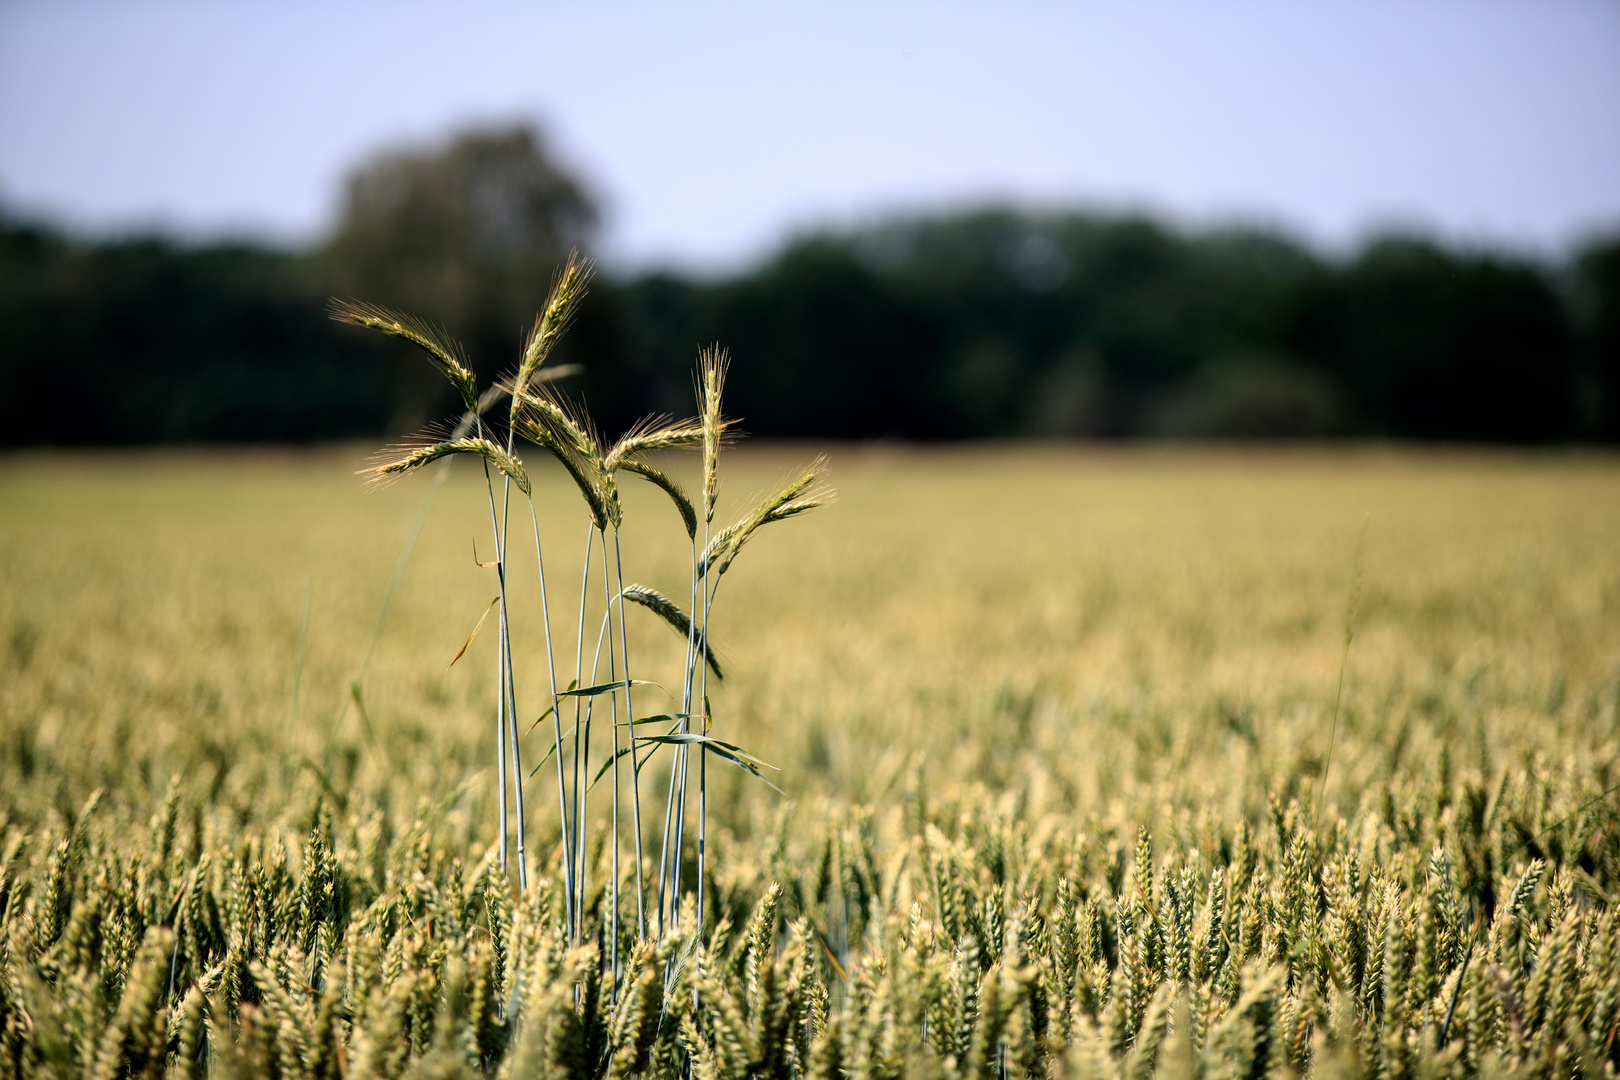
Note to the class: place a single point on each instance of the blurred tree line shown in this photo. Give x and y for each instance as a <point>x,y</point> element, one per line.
<point>989,323</point>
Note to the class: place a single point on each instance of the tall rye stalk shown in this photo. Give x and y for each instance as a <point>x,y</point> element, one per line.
<point>549,422</point>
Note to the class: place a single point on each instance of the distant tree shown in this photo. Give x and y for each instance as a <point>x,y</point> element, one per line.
<point>993,322</point>
<point>467,233</point>
<point>160,342</point>
<point>1434,344</point>
<point>990,323</point>
<point>1597,318</point>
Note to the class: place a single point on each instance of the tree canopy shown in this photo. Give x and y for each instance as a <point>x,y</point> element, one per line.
<point>988,323</point>
<point>467,233</point>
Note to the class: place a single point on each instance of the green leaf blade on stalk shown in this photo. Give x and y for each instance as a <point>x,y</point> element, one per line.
<point>729,751</point>
<point>608,688</point>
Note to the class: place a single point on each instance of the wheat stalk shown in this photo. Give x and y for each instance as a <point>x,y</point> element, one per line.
<point>566,292</point>
<point>445,353</point>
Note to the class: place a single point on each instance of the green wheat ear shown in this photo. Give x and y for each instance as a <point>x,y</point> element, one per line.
<point>650,435</point>
<point>566,292</point>
<point>549,425</point>
<point>671,613</point>
<point>803,493</point>
<point>444,351</point>
<point>712,366</point>
<point>422,455</point>
<point>676,493</point>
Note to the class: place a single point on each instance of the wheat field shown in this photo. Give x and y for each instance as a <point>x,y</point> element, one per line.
<point>1064,789</point>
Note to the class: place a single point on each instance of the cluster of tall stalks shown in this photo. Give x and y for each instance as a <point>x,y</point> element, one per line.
<point>545,419</point>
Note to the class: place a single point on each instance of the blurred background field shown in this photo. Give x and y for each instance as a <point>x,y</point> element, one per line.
<point>1077,621</point>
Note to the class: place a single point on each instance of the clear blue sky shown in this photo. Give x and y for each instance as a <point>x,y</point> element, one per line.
<point>713,129</point>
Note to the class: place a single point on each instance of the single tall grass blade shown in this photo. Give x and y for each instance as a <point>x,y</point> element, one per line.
<point>660,717</point>
<point>552,749</point>
<point>550,708</point>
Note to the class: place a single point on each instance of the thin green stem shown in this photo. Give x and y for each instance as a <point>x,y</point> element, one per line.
<point>577,900</point>
<point>667,901</point>
<point>635,759</point>
<point>703,758</point>
<point>585,731</point>
<point>510,687</point>
<point>556,722</point>
<point>500,666</point>
<point>613,700</point>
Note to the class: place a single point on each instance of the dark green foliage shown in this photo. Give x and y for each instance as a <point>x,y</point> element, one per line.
<point>1597,319</point>
<point>142,341</point>
<point>998,323</point>
<point>991,323</point>
<point>1430,343</point>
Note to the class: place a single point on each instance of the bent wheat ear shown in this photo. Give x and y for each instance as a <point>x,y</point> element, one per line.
<point>799,506</point>
<point>671,488</point>
<point>532,425</point>
<point>719,543</point>
<point>545,412</point>
<point>548,411</point>
<point>444,351</point>
<point>550,323</point>
<point>422,455</point>
<point>801,494</point>
<point>666,609</point>
<point>646,436</point>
